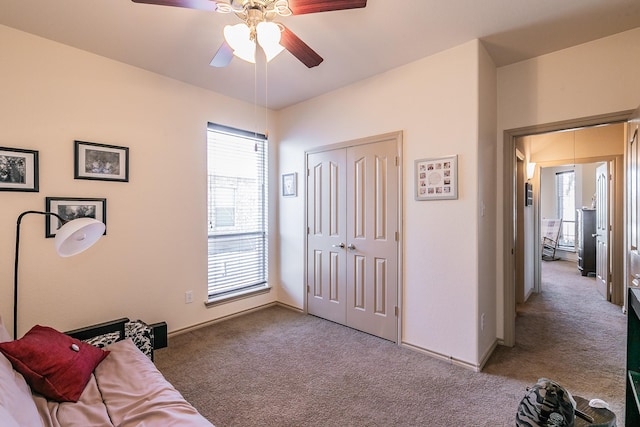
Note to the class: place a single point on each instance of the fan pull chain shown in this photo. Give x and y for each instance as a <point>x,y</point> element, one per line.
<point>266,100</point>
<point>255,100</point>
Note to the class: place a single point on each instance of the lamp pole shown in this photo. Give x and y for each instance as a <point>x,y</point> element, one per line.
<point>15,271</point>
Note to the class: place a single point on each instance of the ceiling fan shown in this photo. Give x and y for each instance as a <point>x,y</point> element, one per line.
<point>258,26</point>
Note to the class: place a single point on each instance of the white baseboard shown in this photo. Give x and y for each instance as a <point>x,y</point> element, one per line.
<point>450,359</point>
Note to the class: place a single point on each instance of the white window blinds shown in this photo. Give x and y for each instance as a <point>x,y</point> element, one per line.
<point>237,210</point>
<point>566,206</point>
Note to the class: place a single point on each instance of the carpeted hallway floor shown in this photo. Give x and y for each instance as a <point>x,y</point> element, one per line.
<point>277,367</point>
<point>569,333</point>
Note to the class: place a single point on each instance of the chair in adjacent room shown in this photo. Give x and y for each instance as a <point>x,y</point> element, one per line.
<point>550,231</point>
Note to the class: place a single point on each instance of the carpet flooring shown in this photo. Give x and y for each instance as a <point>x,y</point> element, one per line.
<point>278,367</point>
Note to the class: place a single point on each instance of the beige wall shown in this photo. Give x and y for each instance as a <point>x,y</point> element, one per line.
<point>434,102</point>
<point>579,144</point>
<point>155,248</point>
<point>529,245</point>
<point>486,214</point>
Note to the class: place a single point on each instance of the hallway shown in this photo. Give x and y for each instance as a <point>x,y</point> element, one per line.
<point>570,334</point>
<point>591,330</point>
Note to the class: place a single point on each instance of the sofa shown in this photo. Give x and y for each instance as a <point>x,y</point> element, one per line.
<point>48,378</point>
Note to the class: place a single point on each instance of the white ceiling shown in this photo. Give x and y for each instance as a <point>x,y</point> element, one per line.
<point>355,44</point>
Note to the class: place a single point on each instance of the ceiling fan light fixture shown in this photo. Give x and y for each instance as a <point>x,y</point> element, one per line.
<point>239,38</point>
<point>281,7</point>
<point>254,12</point>
<point>268,34</point>
<point>247,52</point>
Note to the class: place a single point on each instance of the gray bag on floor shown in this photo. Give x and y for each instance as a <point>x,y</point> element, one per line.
<point>546,404</point>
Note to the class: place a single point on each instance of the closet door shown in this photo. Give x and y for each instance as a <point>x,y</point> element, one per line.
<point>372,246</point>
<point>352,236</point>
<point>326,235</point>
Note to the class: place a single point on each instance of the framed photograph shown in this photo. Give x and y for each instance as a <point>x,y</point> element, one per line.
<point>100,161</point>
<point>290,184</point>
<point>18,169</point>
<point>436,178</point>
<point>72,208</point>
<point>528,194</point>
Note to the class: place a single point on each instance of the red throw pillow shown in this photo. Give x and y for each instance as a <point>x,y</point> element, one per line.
<point>54,364</point>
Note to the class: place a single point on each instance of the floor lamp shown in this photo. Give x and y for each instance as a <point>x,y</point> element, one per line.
<point>72,238</point>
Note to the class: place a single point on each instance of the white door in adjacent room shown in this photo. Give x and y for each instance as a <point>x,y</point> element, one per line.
<point>602,230</point>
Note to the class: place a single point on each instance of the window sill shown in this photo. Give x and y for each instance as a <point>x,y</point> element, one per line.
<point>214,301</point>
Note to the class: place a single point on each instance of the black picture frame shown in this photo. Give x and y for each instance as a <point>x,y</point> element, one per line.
<point>100,162</point>
<point>72,208</point>
<point>19,170</point>
<point>528,194</point>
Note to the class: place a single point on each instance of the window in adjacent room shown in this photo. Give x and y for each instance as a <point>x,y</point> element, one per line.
<point>566,205</point>
<point>237,212</point>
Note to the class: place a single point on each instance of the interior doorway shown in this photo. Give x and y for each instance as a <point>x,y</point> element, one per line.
<point>569,195</point>
<point>571,167</point>
<point>564,153</point>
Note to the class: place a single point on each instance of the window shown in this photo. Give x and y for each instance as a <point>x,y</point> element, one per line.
<point>237,212</point>
<point>566,207</point>
<point>223,208</point>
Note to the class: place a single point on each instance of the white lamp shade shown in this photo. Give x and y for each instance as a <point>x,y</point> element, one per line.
<point>531,170</point>
<point>269,39</point>
<point>238,37</point>
<point>77,235</point>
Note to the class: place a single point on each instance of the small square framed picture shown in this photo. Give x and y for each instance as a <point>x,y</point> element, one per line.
<point>18,169</point>
<point>101,162</point>
<point>290,184</point>
<point>436,178</point>
<point>70,208</point>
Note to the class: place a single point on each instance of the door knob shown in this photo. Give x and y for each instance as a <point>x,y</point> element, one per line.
<point>351,247</point>
<point>341,246</point>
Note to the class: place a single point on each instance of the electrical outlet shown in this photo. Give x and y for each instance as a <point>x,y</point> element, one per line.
<point>188,297</point>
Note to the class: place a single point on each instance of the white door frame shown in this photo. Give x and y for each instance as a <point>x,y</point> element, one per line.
<point>368,140</point>
<point>509,188</point>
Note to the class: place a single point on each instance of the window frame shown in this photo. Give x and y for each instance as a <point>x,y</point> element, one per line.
<point>257,237</point>
<point>566,222</point>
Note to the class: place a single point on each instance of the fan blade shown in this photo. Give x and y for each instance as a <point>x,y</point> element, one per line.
<point>299,49</point>
<point>223,56</point>
<point>209,5</point>
<point>300,7</point>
